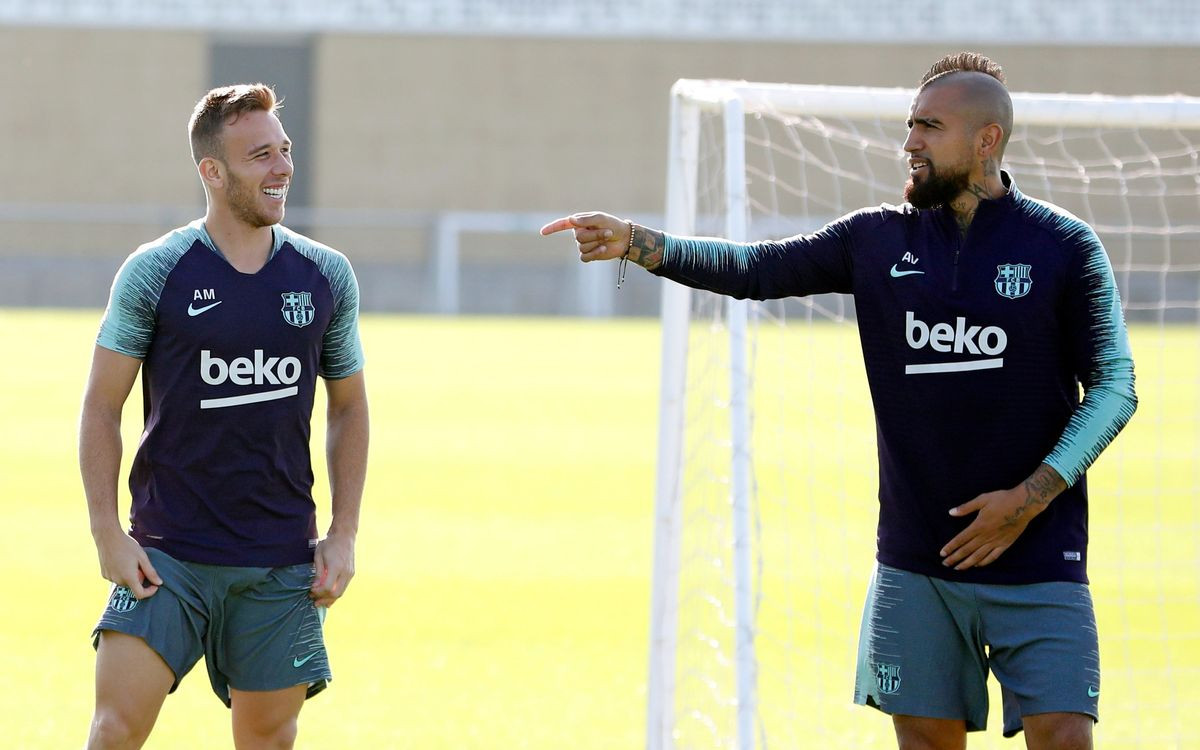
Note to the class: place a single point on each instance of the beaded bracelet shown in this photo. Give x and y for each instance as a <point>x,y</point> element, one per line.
<point>625,258</point>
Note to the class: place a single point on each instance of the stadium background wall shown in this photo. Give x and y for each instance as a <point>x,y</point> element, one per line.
<point>395,132</point>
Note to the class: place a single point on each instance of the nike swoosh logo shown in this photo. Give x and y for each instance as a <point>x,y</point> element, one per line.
<point>1092,692</point>
<point>897,274</point>
<point>301,662</point>
<point>194,311</point>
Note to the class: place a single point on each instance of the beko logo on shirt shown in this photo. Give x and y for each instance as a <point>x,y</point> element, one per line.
<point>259,370</point>
<point>960,338</point>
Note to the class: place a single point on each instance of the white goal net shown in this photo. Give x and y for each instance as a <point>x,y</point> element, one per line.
<point>766,489</point>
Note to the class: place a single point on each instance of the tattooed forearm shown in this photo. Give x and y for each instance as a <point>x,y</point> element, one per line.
<point>1045,483</point>
<point>647,247</point>
<point>1040,488</point>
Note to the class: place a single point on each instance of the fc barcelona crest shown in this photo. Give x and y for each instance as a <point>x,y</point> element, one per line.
<point>887,676</point>
<point>298,308</point>
<point>1012,280</point>
<point>122,599</point>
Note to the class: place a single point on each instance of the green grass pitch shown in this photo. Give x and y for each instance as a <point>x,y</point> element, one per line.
<point>502,596</point>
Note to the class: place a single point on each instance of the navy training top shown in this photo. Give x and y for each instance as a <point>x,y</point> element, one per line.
<point>975,348</point>
<point>223,474</point>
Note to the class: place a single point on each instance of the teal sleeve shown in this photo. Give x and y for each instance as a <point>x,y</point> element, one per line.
<point>129,319</point>
<point>1104,362</point>
<point>341,350</point>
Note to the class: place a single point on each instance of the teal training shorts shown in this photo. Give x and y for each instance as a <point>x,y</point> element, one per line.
<point>926,647</point>
<point>256,628</point>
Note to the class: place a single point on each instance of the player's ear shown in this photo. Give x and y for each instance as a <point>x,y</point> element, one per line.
<point>988,140</point>
<point>212,171</point>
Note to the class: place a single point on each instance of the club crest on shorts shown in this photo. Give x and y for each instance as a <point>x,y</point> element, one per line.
<point>122,599</point>
<point>1012,280</point>
<point>298,308</point>
<point>887,676</point>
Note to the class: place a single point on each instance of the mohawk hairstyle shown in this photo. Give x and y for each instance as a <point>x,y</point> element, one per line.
<point>963,62</point>
<point>222,106</point>
<point>990,101</point>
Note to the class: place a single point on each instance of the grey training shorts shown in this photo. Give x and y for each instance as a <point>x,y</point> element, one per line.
<point>256,628</point>
<point>927,645</point>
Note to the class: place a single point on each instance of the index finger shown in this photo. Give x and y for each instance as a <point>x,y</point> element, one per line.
<point>954,547</point>
<point>147,568</point>
<point>330,588</point>
<point>320,573</point>
<point>558,225</point>
<point>582,220</point>
<point>141,589</point>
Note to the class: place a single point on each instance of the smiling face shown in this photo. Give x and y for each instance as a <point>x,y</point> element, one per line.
<point>257,167</point>
<point>939,146</point>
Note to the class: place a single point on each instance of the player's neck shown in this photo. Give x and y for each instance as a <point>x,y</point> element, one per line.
<point>246,247</point>
<point>984,185</point>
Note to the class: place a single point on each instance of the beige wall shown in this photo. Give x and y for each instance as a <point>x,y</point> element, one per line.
<point>536,124</point>
<point>426,123</point>
<point>97,116</point>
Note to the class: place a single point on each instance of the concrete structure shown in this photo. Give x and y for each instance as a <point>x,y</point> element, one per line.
<point>405,133</point>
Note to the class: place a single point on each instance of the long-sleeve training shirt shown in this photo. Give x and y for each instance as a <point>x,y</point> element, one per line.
<point>975,349</point>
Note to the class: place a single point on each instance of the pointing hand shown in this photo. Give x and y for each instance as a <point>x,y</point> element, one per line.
<point>599,236</point>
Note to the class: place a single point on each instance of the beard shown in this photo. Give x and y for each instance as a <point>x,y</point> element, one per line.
<point>244,203</point>
<point>937,189</point>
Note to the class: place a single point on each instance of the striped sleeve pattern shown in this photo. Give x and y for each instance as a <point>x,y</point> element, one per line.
<point>129,319</point>
<point>341,349</point>
<point>1109,399</point>
<point>797,266</point>
<point>709,254</point>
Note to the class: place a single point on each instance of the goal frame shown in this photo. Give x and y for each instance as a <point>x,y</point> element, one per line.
<point>733,100</point>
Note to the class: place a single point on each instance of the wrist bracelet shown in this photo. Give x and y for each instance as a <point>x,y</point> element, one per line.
<point>624,258</point>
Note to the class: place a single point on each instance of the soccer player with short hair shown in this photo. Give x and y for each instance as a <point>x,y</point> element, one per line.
<point>230,320</point>
<point>981,311</point>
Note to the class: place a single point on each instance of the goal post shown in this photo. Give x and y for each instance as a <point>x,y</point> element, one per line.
<point>765,488</point>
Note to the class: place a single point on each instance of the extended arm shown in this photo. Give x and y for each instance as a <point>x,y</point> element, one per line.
<point>798,266</point>
<point>122,560</point>
<point>347,437</point>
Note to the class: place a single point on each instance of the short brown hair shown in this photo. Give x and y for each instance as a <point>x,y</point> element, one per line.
<point>222,106</point>
<point>963,62</point>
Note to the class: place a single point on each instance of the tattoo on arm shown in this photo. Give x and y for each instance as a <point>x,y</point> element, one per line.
<point>1045,483</point>
<point>1040,488</point>
<point>647,247</point>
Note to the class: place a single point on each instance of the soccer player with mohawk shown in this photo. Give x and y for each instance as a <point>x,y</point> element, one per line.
<point>980,312</point>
